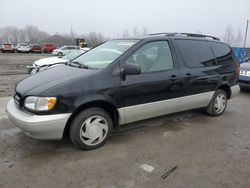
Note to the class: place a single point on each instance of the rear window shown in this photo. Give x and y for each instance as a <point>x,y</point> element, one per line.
<point>222,52</point>
<point>196,53</point>
<point>23,44</point>
<point>71,48</point>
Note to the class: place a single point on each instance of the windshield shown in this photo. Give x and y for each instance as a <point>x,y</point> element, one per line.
<point>23,44</point>
<point>73,54</point>
<point>62,48</point>
<point>103,55</point>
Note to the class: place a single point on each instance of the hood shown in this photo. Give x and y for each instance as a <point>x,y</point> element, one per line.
<point>49,61</point>
<point>42,81</point>
<point>245,66</point>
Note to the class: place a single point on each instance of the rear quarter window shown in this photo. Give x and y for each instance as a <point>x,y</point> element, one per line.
<point>222,52</point>
<point>195,53</point>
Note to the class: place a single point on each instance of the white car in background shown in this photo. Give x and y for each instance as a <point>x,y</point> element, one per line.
<point>8,47</point>
<point>45,63</point>
<point>22,47</point>
<point>64,50</point>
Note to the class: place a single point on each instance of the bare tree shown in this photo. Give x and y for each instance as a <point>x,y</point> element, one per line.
<point>31,32</point>
<point>199,31</point>
<point>229,35</point>
<point>135,31</point>
<point>144,30</point>
<point>125,33</point>
<point>22,35</point>
<point>9,34</point>
<point>239,38</point>
<point>93,38</point>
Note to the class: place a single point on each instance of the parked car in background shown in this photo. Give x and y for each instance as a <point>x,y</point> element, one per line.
<point>48,48</point>
<point>8,47</point>
<point>64,50</point>
<point>123,81</point>
<point>244,77</point>
<point>35,48</point>
<point>45,63</point>
<point>22,47</point>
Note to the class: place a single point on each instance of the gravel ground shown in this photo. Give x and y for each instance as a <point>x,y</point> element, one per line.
<point>13,69</point>
<point>210,152</point>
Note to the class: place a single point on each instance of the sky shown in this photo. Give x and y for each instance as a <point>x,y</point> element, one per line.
<point>112,17</point>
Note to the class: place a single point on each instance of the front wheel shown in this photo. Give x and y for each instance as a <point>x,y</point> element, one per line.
<point>217,104</point>
<point>90,129</point>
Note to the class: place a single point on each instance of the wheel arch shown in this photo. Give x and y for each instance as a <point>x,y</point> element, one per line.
<point>227,89</point>
<point>108,107</point>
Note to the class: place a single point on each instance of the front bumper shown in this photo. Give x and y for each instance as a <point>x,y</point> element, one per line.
<point>30,68</point>
<point>8,49</point>
<point>244,85</point>
<point>23,50</point>
<point>45,127</point>
<point>244,81</point>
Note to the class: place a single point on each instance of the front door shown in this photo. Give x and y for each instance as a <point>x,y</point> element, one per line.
<point>157,89</point>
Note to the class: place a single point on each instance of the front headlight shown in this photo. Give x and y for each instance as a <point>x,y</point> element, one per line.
<point>40,103</point>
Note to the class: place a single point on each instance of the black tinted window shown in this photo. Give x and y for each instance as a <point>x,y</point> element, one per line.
<point>222,52</point>
<point>196,53</point>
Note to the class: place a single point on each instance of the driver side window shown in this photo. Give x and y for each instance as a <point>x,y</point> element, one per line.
<point>153,57</point>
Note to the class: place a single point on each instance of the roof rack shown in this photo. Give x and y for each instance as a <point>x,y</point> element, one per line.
<point>187,35</point>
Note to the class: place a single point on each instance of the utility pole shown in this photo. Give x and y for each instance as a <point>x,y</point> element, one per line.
<point>71,29</point>
<point>246,35</point>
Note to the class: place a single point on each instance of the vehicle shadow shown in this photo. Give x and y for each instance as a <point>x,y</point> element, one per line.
<point>167,123</point>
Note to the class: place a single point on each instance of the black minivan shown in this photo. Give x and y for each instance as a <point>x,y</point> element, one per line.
<point>123,81</point>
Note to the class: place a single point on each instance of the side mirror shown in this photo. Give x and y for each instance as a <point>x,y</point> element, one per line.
<point>130,69</point>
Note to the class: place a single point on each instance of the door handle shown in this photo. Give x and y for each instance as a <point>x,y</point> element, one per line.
<point>173,78</point>
<point>188,74</point>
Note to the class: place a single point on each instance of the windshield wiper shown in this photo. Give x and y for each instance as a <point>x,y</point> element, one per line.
<point>77,64</point>
<point>64,63</point>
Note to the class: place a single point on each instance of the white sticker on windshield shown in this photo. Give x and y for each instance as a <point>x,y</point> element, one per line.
<point>125,43</point>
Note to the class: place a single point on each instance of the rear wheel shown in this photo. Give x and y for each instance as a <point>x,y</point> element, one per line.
<point>60,54</point>
<point>90,129</point>
<point>218,103</point>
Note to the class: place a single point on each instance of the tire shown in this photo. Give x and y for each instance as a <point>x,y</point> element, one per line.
<point>217,104</point>
<point>87,135</point>
<point>60,54</point>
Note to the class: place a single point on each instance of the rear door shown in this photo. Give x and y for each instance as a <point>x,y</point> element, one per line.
<point>157,89</point>
<point>66,50</point>
<point>71,49</point>
<point>200,73</point>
